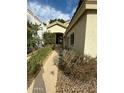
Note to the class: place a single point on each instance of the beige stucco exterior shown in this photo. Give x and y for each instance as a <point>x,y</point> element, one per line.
<point>84,27</point>
<point>59,29</point>
<point>91,35</point>
<point>56,29</point>
<point>79,35</point>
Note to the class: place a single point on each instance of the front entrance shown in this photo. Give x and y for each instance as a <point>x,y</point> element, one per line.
<point>59,38</point>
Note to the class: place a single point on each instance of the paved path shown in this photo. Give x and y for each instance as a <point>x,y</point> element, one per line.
<point>37,85</point>
<point>45,81</point>
<point>50,73</point>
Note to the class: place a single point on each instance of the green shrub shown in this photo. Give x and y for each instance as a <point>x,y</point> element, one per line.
<point>49,38</point>
<point>34,63</point>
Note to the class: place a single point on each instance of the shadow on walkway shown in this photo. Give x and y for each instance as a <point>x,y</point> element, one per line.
<point>39,86</point>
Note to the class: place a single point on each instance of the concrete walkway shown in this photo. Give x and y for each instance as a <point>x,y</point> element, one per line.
<point>37,85</point>
<point>45,81</point>
<point>50,73</point>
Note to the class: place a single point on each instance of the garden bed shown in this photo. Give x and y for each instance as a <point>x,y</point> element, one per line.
<point>35,62</point>
<point>77,73</point>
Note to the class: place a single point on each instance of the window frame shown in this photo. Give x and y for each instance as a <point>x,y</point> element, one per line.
<point>72,39</point>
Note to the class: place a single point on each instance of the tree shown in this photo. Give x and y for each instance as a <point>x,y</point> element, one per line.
<point>44,24</point>
<point>32,37</point>
<point>51,21</point>
<point>60,20</point>
<point>49,38</point>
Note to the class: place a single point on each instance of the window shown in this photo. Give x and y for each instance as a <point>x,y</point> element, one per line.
<point>72,39</point>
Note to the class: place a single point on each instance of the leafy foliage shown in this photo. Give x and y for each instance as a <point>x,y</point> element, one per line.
<point>32,37</point>
<point>36,60</point>
<point>44,24</point>
<point>49,38</point>
<point>60,20</point>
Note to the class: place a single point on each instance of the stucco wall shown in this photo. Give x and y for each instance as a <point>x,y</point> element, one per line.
<point>37,21</point>
<point>85,35</point>
<point>79,35</point>
<point>56,29</point>
<point>30,17</point>
<point>84,26</point>
<point>91,35</point>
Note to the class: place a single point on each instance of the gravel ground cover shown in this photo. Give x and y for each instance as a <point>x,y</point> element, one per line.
<point>77,74</point>
<point>66,84</point>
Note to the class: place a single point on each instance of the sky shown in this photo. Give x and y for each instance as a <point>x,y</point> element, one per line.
<point>51,9</point>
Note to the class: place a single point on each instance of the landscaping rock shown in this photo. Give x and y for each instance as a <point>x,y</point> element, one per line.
<point>67,84</point>
<point>77,74</point>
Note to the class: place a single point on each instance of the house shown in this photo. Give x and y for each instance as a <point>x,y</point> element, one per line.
<point>59,29</point>
<point>81,34</point>
<point>32,18</point>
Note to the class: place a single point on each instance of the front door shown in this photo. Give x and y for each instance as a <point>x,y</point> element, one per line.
<point>59,38</point>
